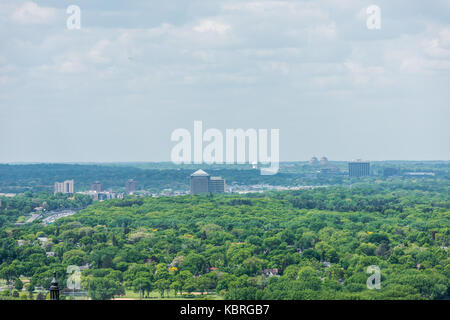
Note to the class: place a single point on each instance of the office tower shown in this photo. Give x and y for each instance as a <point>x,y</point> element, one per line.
<point>65,187</point>
<point>130,186</point>
<point>359,168</point>
<point>97,187</point>
<point>68,186</point>
<point>199,182</point>
<point>216,185</point>
<point>59,187</point>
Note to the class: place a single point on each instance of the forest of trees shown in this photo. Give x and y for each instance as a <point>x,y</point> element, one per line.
<point>19,207</point>
<point>307,244</point>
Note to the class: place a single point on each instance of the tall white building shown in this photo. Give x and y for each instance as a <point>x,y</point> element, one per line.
<point>130,186</point>
<point>64,187</point>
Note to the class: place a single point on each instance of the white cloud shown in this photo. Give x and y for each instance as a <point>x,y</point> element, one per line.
<point>439,47</point>
<point>212,26</point>
<point>286,10</point>
<point>362,75</point>
<point>444,37</point>
<point>421,66</point>
<point>324,31</point>
<point>71,67</point>
<point>31,13</point>
<point>5,80</point>
<point>97,54</point>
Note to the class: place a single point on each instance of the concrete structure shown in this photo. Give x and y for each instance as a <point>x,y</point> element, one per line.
<point>8,195</point>
<point>199,182</point>
<point>66,187</point>
<point>202,182</point>
<point>359,168</point>
<point>420,174</point>
<point>97,187</point>
<point>130,186</point>
<point>216,185</point>
<point>104,195</point>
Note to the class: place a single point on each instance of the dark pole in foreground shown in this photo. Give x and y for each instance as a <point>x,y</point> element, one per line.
<point>54,289</point>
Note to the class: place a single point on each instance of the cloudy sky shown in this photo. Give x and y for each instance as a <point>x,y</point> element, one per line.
<point>115,89</point>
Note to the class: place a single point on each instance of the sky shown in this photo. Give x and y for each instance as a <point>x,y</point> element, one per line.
<point>115,89</point>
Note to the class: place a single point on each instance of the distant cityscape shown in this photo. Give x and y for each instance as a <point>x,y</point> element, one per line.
<point>202,182</point>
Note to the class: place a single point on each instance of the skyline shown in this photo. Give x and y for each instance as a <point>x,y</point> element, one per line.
<point>115,90</point>
<point>306,161</point>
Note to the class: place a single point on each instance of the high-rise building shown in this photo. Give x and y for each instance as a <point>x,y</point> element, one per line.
<point>199,182</point>
<point>202,182</point>
<point>59,187</point>
<point>97,187</point>
<point>216,185</point>
<point>64,187</point>
<point>359,168</point>
<point>130,186</point>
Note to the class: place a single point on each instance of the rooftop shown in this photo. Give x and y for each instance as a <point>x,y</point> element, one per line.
<point>200,173</point>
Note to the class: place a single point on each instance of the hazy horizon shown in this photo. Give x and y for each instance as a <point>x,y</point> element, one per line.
<point>204,164</point>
